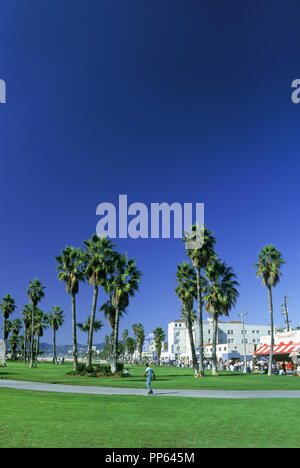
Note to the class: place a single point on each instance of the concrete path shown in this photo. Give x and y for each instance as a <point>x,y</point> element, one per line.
<point>44,387</point>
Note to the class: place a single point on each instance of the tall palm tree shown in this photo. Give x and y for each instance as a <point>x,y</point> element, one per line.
<point>159,338</point>
<point>70,270</point>
<point>122,284</point>
<point>139,333</point>
<point>221,296</point>
<point>186,291</point>
<point>200,256</point>
<point>268,268</point>
<point>56,319</point>
<point>8,306</point>
<point>98,258</point>
<point>35,293</point>
<point>27,316</point>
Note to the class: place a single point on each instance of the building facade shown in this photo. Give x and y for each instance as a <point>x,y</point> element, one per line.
<point>231,341</point>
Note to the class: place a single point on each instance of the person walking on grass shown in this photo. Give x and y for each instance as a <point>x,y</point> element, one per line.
<point>150,376</point>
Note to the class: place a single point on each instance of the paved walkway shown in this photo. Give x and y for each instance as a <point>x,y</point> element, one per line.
<point>44,387</point>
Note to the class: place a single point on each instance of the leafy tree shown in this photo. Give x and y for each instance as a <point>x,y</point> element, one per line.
<point>268,268</point>
<point>186,291</point>
<point>70,270</point>
<point>35,293</point>
<point>98,258</point>
<point>56,319</point>
<point>221,296</point>
<point>201,257</point>
<point>159,338</point>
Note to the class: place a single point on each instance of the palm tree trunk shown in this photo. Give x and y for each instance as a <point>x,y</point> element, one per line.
<point>214,346</point>
<point>91,331</point>
<point>54,346</point>
<point>25,345</point>
<point>4,333</point>
<point>192,344</point>
<point>200,322</point>
<point>32,337</point>
<point>74,335</point>
<point>115,342</point>
<point>272,330</point>
<point>37,349</point>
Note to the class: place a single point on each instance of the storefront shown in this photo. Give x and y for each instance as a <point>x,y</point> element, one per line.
<point>286,349</point>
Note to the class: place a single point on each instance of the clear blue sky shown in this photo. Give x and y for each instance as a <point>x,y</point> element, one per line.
<point>162,101</point>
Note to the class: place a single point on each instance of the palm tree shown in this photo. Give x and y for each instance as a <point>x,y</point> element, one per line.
<point>86,327</point>
<point>200,256</point>
<point>7,306</point>
<point>41,323</point>
<point>35,293</point>
<point>221,296</point>
<point>56,319</point>
<point>14,342</point>
<point>159,338</point>
<point>110,312</point>
<point>268,268</point>
<point>98,257</point>
<point>27,316</point>
<point>186,292</point>
<point>122,284</point>
<point>130,346</point>
<point>125,334</point>
<point>70,270</point>
<point>139,334</point>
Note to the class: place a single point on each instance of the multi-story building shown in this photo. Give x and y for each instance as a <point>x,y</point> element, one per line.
<point>230,339</point>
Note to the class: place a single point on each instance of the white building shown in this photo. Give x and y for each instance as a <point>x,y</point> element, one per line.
<point>230,341</point>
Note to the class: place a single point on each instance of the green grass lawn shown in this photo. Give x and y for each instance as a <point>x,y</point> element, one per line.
<point>41,419</point>
<point>167,377</point>
<point>38,419</point>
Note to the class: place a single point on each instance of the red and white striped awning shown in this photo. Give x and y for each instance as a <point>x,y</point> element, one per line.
<point>282,348</point>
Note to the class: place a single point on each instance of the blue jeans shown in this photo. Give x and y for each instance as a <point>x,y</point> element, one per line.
<point>148,383</point>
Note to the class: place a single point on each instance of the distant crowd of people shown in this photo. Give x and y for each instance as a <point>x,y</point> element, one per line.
<point>237,365</point>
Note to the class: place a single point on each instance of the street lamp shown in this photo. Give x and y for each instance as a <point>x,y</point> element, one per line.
<point>245,353</point>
